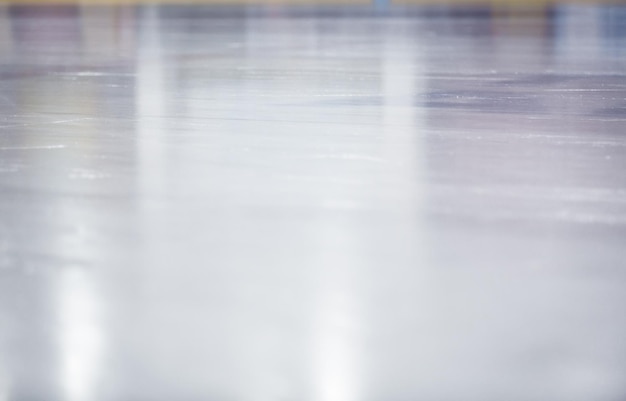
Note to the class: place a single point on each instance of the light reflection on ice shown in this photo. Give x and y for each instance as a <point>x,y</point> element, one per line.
<point>80,334</point>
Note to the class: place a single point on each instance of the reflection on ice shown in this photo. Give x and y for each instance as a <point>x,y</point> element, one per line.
<point>80,334</point>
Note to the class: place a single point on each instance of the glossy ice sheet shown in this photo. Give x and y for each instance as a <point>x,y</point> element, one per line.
<point>337,204</point>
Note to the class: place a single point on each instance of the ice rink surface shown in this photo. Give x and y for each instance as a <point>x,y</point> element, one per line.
<point>312,203</point>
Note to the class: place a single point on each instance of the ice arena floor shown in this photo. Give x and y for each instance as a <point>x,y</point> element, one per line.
<point>312,202</point>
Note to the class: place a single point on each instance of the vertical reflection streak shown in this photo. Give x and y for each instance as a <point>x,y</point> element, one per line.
<point>150,98</point>
<point>80,334</point>
<point>335,351</point>
<point>399,295</point>
<point>336,319</point>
